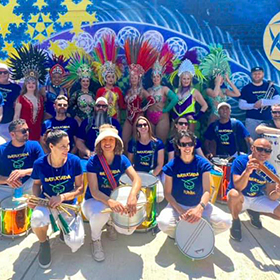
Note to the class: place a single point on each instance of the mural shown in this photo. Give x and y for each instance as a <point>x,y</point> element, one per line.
<point>247,29</point>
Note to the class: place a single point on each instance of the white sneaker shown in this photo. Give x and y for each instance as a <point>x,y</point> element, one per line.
<point>97,251</point>
<point>112,233</point>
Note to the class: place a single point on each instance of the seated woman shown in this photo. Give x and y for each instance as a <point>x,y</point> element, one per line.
<point>147,152</point>
<point>108,149</point>
<point>191,203</point>
<point>59,176</point>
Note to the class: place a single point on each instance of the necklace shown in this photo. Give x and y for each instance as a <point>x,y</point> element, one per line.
<point>156,88</point>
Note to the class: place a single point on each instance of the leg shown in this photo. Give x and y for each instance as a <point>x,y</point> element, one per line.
<point>235,201</point>
<point>162,127</point>
<point>126,135</point>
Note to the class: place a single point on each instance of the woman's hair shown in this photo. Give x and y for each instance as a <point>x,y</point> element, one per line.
<point>179,136</point>
<point>173,127</point>
<point>24,89</point>
<point>54,136</point>
<point>180,80</point>
<point>137,133</point>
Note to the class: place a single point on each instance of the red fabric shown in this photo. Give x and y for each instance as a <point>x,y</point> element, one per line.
<point>27,114</point>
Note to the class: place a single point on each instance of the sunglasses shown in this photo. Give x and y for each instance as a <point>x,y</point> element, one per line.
<point>275,112</point>
<point>183,123</point>
<point>101,106</point>
<point>142,125</point>
<point>260,150</point>
<point>185,144</point>
<point>4,72</point>
<point>23,131</point>
<point>62,105</point>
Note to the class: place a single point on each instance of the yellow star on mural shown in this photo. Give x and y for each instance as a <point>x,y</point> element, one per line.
<point>67,52</point>
<point>40,4</point>
<point>77,14</point>
<point>9,48</point>
<point>8,16</point>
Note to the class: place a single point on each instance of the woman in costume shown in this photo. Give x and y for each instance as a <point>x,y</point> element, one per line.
<point>165,98</point>
<point>30,63</point>
<point>109,70</point>
<point>53,89</point>
<point>216,69</point>
<point>108,151</point>
<point>59,176</point>
<point>187,189</point>
<point>140,56</point>
<point>81,101</point>
<point>187,94</point>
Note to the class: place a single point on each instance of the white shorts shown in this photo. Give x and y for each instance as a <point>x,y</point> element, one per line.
<point>260,204</point>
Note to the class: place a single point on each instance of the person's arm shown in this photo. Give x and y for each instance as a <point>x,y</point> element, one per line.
<point>43,144</point>
<point>37,187</point>
<point>244,105</point>
<point>261,129</point>
<point>17,111</point>
<point>249,140</point>
<point>1,113</point>
<point>80,143</point>
<point>172,100</point>
<point>160,162</point>
<point>130,157</point>
<point>235,92</point>
<point>171,155</point>
<point>74,149</point>
<point>273,191</point>
<point>201,101</point>
<point>270,102</point>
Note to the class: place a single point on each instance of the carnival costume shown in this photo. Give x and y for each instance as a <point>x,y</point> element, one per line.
<point>29,63</point>
<point>105,55</point>
<point>140,57</point>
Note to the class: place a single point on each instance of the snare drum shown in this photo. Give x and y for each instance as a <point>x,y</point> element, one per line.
<point>123,220</point>
<point>15,218</point>
<point>149,183</point>
<point>274,159</point>
<point>195,241</point>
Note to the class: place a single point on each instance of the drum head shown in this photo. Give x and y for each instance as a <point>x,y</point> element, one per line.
<point>121,194</point>
<point>195,241</point>
<point>9,204</point>
<point>148,180</point>
<point>219,161</point>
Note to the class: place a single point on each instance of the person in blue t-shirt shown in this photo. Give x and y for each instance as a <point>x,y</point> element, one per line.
<point>226,137</point>
<point>62,122</point>
<point>10,92</point>
<point>251,189</point>
<point>89,129</point>
<point>1,106</point>
<point>187,189</point>
<point>16,160</point>
<point>256,99</point>
<point>108,148</point>
<point>57,175</point>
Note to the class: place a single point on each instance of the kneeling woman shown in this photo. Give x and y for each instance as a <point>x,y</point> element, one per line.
<point>187,189</point>
<point>59,176</point>
<point>108,149</point>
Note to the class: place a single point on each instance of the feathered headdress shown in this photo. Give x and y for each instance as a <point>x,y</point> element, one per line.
<point>105,56</point>
<point>164,63</point>
<point>215,63</point>
<point>28,62</point>
<point>140,56</point>
<point>80,66</point>
<point>57,64</point>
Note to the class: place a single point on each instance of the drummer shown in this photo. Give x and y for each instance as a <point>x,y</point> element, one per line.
<point>147,152</point>
<point>226,136</point>
<point>271,126</point>
<point>16,160</point>
<point>108,150</point>
<point>187,189</point>
<point>59,176</point>
<point>253,190</point>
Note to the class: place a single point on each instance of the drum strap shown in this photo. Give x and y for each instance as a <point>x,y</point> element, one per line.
<point>108,172</point>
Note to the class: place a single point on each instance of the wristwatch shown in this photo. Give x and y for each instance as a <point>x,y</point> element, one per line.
<point>202,205</point>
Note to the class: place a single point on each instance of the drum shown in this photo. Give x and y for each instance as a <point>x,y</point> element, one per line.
<point>195,241</point>
<point>275,155</point>
<point>225,165</point>
<point>149,183</point>
<point>2,140</point>
<point>81,197</point>
<point>124,221</point>
<point>216,181</point>
<point>15,218</point>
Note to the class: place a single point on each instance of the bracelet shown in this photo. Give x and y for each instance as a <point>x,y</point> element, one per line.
<point>63,197</point>
<point>202,205</point>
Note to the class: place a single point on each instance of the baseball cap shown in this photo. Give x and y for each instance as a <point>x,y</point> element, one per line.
<point>257,68</point>
<point>4,66</point>
<point>101,99</point>
<point>223,104</point>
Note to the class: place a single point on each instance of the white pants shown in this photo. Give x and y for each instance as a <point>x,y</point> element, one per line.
<point>4,131</point>
<point>251,125</point>
<point>6,191</point>
<point>92,210</point>
<point>219,220</point>
<point>160,189</point>
<point>260,204</point>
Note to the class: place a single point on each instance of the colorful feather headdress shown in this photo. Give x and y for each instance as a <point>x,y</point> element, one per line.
<point>29,62</point>
<point>80,66</point>
<point>215,63</point>
<point>140,56</point>
<point>105,56</point>
<point>57,64</point>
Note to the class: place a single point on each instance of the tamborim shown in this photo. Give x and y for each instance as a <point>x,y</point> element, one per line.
<point>121,195</point>
<point>195,241</point>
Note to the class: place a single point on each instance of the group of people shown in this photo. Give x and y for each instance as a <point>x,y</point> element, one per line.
<point>45,157</point>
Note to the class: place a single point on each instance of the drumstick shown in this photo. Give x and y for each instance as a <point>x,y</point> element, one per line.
<point>109,210</point>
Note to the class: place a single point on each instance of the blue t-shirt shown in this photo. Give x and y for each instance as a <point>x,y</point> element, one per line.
<point>252,94</point>
<point>57,180</point>
<point>1,99</point>
<point>170,145</point>
<point>12,158</point>
<point>89,135</point>
<point>69,125</point>
<point>224,137</point>
<point>145,156</point>
<point>257,180</point>
<point>187,188</point>
<point>118,167</point>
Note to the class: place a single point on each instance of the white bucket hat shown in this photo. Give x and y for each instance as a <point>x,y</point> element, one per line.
<point>106,130</point>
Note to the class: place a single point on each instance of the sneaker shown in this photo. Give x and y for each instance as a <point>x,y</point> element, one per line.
<point>45,254</point>
<point>112,233</point>
<point>255,219</point>
<point>235,231</point>
<point>61,237</point>
<point>97,251</point>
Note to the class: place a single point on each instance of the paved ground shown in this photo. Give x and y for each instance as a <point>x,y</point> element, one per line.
<point>144,256</point>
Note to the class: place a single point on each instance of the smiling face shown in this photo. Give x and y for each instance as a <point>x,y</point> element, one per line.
<point>186,146</point>
<point>261,149</point>
<point>62,148</point>
<point>21,133</point>
<point>182,124</point>
<point>110,79</point>
<point>156,79</point>
<point>108,144</point>
<point>134,80</point>
<point>186,79</point>
<point>257,76</point>
<point>85,83</point>
<point>142,127</point>
<point>61,106</point>
<point>56,79</point>
<point>4,76</point>
<point>224,112</point>
<point>31,85</point>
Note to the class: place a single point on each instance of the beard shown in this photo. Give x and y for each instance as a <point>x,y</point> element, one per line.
<point>101,117</point>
